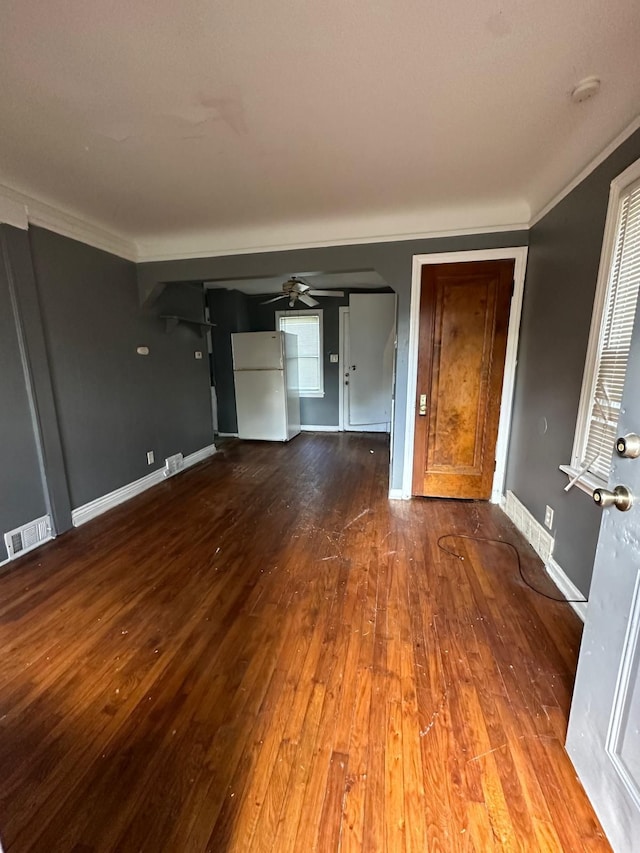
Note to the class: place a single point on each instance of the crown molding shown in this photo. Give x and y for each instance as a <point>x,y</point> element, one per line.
<point>204,252</point>
<point>12,212</point>
<point>588,169</point>
<point>19,209</point>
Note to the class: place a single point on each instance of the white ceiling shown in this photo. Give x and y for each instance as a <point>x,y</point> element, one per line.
<point>199,126</point>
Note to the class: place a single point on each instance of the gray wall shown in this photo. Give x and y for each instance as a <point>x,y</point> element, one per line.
<point>80,409</point>
<point>113,404</point>
<point>229,312</point>
<point>562,270</point>
<point>21,491</point>
<point>391,260</point>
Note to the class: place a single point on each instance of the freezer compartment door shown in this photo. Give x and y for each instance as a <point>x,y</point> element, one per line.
<point>257,350</point>
<point>261,405</point>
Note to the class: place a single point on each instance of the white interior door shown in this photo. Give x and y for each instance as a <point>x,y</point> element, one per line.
<point>368,341</point>
<point>603,739</point>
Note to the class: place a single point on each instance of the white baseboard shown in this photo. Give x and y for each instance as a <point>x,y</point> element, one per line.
<point>567,587</point>
<point>543,544</point>
<point>199,455</point>
<point>318,428</point>
<point>227,434</point>
<point>96,507</point>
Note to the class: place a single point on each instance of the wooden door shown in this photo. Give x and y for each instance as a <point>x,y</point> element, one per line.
<point>464,319</point>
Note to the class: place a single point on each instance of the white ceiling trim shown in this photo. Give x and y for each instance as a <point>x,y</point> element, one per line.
<point>37,212</point>
<point>338,230</point>
<point>588,169</point>
<point>12,212</point>
<point>318,244</point>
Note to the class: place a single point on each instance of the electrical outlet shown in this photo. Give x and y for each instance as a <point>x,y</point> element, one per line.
<point>548,517</point>
<point>151,457</point>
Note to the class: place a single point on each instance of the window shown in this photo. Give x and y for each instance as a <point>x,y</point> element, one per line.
<point>307,326</point>
<point>610,337</point>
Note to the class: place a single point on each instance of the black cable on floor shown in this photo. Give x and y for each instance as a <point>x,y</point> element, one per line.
<point>515,551</point>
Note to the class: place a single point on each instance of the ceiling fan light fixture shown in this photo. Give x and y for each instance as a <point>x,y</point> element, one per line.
<point>294,289</point>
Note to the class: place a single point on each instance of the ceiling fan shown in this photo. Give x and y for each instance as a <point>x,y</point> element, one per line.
<point>296,289</point>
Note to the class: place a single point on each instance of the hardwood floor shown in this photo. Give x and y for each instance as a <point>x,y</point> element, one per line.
<point>264,653</point>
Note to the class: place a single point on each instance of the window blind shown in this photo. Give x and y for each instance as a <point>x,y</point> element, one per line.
<point>615,339</point>
<point>307,329</point>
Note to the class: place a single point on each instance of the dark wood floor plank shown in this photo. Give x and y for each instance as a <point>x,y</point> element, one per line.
<point>265,653</point>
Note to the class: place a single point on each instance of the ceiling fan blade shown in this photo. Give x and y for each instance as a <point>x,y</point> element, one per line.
<point>297,285</point>
<point>275,299</point>
<point>327,292</point>
<point>302,297</point>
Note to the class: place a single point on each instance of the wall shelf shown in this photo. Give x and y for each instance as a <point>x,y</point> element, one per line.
<point>172,320</point>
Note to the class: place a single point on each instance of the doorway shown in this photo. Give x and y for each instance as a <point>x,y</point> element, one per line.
<point>503,385</point>
<point>367,362</point>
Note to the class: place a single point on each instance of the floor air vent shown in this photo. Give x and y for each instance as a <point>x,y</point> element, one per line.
<point>173,464</point>
<point>29,536</point>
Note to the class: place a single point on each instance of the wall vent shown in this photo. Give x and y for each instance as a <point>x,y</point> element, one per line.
<point>29,536</point>
<point>173,464</point>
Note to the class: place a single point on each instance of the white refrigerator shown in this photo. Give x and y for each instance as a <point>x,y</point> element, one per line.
<point>265,373</point>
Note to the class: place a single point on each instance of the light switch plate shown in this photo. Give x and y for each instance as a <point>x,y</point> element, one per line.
<point>333,358</point>
<point>198,354</point>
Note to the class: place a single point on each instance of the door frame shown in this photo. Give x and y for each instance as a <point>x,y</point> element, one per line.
<point>343,311</point>
<point>519,255</point>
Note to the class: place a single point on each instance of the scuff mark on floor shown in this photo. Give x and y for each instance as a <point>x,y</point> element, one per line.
<point>424,732</point>
<point>488,752</point>
<point>353,520</point>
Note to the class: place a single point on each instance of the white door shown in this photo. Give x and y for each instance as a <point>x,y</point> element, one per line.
<point>368,345</point>
<point>603,739</point>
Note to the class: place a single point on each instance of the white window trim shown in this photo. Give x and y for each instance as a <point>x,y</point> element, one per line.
<point>584,480</point>
<point>295,312</point>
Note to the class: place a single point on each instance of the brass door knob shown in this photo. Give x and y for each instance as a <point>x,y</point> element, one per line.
<point>621,498</point>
